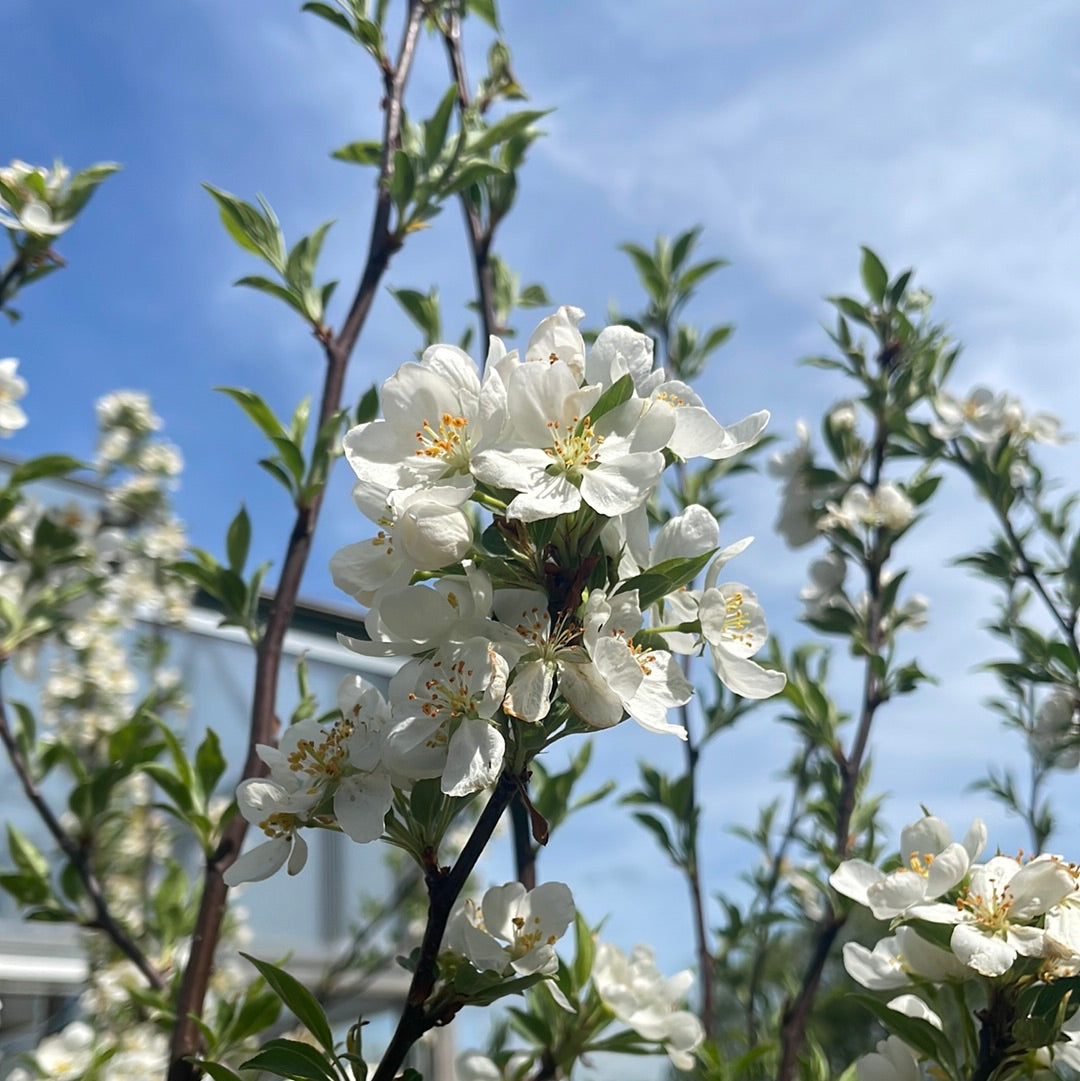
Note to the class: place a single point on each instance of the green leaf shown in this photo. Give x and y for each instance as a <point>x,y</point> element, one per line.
<point>330,14</point>
<point>666,577</point>
<point>256,409</point>
<point>367,408</point>
<point>485,9</point>
<point>365,152</point>
<point>914,1031</point>
<point>875,277</point>
<point>435,129</point>
<point>176,789</point>
<point>291,456</point>
<point>83,185</point>
<point>402,181</point>
<point>620,391</point>
<point>217,1072</point>
<point>275,470</point>
<point>266,285</point>
<point>292,1060</point>
<point>298,999</point>
<point>47,465</point>
<point>209,762</point>
<point>257,231</point>
<point>470,172</point>
<point>25,854</point>
<point>238,540</point>
<point>504,128</point>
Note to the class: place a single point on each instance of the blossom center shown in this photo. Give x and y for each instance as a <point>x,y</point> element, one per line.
<point>323,759</point>
<point>448,441</point>
<point>528,934</point>
<point>575,449</point>
<point>736,621</point>
<point>991,913</point>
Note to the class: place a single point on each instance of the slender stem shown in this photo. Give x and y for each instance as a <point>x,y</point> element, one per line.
<point>524,848</point>
<point>382,245</point>
<point>693,872</point>
<point>9,277</point>
<point>763,929</point>
<point>443,890</point>
<point>79,858</point>
<point>480,237</point>
<point>1028,571</point>
<point>796,1013</point>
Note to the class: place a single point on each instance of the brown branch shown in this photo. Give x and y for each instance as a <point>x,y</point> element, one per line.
<point>382,245</point>
<point>443,890</point>
<point>79,858</point>
<point>480,237</point>
<point>796,1012</point>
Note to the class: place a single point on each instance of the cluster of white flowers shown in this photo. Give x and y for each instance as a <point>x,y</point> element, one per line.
<point>12,388</point>
<point>91,684</point>
<point>29,197</point>
<point>631,990</point>
<point>541,625</point>
<point>987,417</point>
<point>1003,913</point>
<point>634,989</point>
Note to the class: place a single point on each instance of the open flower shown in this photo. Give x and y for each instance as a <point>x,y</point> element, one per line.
<point>931,864</point>
<point>555,458</point>
<point>640,997</point>
<point>512,928</point>
<point>996,911</point>
<point>898,959</point>
<point>617,676</point>
<point>12,388</point>
<point>444,713</point>
<point>435,415</point>
<point>733,624</point>
<point>421,529</point>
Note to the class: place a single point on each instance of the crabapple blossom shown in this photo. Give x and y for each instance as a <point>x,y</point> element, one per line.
<point>436,413</point>
<point>640,997</point>
<point>512,929</point>
<point>886,507</point>
<point>733,625</point>
<point>555,458</point>
<point>620,677</point>
<point>444,713</point>
<point>419,618</point>
<point>12,388</point>
<point>931,865</point>
<point>995,911</point>
<point>421,529</point>
<point>898,959</point>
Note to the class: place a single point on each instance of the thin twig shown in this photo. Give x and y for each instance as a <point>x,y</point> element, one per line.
<point>79,858</point>
<point>480,238</point>
<point>443,890</point>
<point>796,1012</point>
<point>382,245</point>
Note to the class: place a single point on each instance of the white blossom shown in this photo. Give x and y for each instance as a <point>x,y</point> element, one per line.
<point>643,999</point>
<point>12,388</point>
<point>512,929</point>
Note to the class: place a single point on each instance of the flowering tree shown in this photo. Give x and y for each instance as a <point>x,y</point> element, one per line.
<point>522,558</point>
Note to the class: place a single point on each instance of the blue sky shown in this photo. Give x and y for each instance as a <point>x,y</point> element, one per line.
<point>944,136</point>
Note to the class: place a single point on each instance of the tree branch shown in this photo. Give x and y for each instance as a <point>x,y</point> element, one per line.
<point>443,890</point>
<point>382,245</point>
<point>796,1012</point>
<point>480,238</point>
<point>79,859</point>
